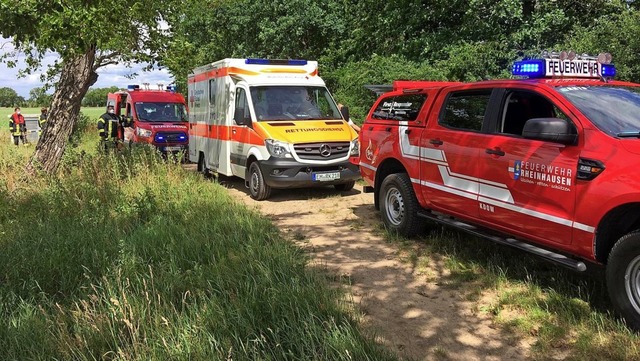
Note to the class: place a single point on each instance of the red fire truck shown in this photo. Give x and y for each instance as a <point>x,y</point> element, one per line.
<point>155,116</point>
<point>546,164</point>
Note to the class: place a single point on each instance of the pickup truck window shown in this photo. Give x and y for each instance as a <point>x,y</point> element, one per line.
<point>400,107</point>
<point>615,110</point>
<point>465,109</point>
<point>522,105</point>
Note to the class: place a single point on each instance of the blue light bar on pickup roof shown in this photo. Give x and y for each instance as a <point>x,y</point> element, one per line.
<point>133,87</point>
<point>276,61</point>
<point>555,67</point>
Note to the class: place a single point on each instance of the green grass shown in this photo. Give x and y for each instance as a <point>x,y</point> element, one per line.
<point>567,314</point>
<point>131,258</point>
<point>91,112</point>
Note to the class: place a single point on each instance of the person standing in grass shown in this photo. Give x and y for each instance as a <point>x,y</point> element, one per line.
<point>42,121</point>
<point>108,129</point>
<point>18,127</point>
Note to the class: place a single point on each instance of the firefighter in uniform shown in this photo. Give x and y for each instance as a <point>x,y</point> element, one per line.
<point>42,121</point>
<point>108,124</point>
<point>18,127</point>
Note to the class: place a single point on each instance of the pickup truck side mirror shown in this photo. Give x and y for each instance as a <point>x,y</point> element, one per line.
<point>240,118</point>
<point>551,130</point>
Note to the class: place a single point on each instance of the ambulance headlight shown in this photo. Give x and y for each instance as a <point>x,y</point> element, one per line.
<point>355,148</point>
<point>145,133</point>
<point>277,148</point>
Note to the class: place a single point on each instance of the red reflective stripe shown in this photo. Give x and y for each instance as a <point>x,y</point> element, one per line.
<point>225,132</point>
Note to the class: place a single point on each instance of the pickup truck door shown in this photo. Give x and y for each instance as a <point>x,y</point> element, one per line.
<point>540,176</point>
<point>450,148</point>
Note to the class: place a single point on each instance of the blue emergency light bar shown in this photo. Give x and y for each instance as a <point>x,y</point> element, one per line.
<point>555,67</point>
<point>133,87</point>
<point>172,88</point>
<point>532,68</point>
<point>298,62</point>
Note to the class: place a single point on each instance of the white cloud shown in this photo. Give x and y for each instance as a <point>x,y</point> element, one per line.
<point>111,75</point>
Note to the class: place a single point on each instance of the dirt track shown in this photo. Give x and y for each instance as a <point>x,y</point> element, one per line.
<point>410,312</point>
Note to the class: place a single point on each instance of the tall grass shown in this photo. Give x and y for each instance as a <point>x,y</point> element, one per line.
<point>132,258</point>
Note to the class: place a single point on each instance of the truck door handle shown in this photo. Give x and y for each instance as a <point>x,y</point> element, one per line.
<point>436,142</point>
<point>371,127</point>
<point>407,131</point>
<point>233,130</point>
<point>387,129</point>
<point>495,151</point>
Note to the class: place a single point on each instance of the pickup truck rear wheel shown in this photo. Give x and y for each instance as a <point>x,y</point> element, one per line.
<point>399,206</point>
<point>623,278</point>
<point>258,189</point>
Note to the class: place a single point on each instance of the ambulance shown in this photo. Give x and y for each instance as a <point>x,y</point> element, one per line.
<point>155,116</point>
<point>272,123</point>
<point>546,162</point>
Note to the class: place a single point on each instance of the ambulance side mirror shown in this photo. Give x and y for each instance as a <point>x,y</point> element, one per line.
<point>551,130</point>
<point>240,118</point>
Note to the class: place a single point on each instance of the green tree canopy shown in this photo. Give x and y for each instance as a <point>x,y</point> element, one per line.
<point>96,97</point>
<point>87,35</point>
<point>9,98</point>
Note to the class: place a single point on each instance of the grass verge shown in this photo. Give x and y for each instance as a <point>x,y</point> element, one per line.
<point>131,258</point>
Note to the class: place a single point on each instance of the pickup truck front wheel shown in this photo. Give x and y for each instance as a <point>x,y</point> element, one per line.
<point>399,206</point>
<point>623,278</point>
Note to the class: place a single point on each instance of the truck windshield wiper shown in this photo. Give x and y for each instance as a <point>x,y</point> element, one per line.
<point>629,134</point>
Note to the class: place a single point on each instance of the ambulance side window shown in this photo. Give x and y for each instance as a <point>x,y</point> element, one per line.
<point>241,114</point>
<point>522,105</point>
<point>212,91</point>
<point>465,110</point>
<point>400,107</point>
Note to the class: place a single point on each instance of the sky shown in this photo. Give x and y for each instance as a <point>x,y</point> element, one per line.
<point>107,76</point>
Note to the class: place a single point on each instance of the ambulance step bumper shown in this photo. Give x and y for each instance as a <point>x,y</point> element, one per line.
<point>557,258</point>
<point>292,174</point>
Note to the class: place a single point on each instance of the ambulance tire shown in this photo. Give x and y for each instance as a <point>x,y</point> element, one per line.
<point>623,278</point>
<point>399,206</point>
<point>345,187</point>
<point>258,189</point>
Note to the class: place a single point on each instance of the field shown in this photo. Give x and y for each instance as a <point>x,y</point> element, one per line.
<point>92,113</point>
<point>133,258</point>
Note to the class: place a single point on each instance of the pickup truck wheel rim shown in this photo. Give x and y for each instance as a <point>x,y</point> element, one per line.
<point>394,205</point>
<point>632,283</point>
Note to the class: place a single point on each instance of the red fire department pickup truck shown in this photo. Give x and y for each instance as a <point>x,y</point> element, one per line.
<point>545,164</point>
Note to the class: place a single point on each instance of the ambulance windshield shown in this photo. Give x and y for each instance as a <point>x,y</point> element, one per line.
<point>613,109</point>
<point>293,103</point>
<point>161,112</point>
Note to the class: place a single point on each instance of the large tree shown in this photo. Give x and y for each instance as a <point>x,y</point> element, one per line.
<point>87,35</point>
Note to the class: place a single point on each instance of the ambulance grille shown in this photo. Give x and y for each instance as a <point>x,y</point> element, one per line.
<point>322,151</point>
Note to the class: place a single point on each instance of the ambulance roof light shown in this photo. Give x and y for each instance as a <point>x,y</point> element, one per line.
<point>298,62</point>
<point>133,87</point>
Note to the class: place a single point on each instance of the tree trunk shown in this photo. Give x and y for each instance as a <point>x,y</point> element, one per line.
<point>77,76</point>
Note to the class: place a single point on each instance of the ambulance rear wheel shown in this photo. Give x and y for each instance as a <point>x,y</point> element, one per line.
<point>399,206</point>
<point>344,187</point>
<point>623,278</point>
<point>258,189</point>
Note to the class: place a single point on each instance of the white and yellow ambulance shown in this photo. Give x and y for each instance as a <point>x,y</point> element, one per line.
<point>272,123</point>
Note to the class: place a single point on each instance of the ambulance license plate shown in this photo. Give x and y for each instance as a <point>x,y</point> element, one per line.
<point>172,149</point>
<point>324,177</point>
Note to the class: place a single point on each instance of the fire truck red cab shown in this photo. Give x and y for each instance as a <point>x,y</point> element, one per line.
<point>546,164</point>
<point>156,117</point>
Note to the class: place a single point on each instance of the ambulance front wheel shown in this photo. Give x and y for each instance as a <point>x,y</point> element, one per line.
<point>345,187</point>
<point>623,278</point>
<point>399,206</point>
<point>258,189</point>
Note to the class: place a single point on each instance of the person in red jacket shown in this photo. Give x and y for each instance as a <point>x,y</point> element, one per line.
<point>18,127</point>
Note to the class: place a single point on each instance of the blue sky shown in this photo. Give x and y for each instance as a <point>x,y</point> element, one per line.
<point>107,76</point>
